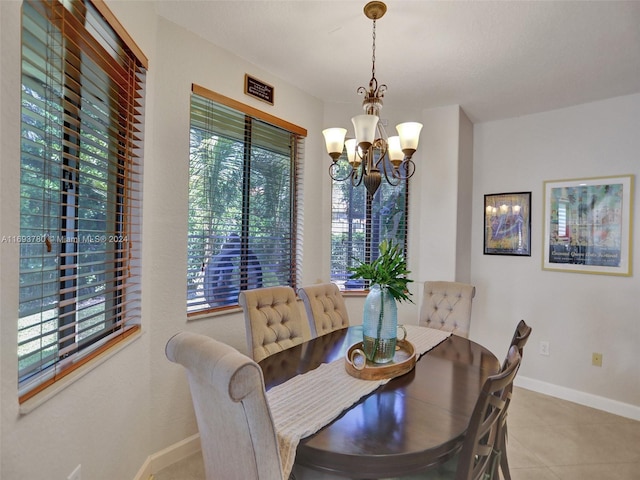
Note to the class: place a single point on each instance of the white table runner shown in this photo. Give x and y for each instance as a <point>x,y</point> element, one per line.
<point>304,404</point>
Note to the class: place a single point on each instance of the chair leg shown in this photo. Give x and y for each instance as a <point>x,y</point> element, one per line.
<point>493,474</point>
<point>504,463</point>
<point>504,467</point>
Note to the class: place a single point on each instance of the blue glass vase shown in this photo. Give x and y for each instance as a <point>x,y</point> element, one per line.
<point>380,325</point>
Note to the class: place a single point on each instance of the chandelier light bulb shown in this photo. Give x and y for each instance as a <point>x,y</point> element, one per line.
<point>334,140</point>
<point>354,159</point>
<point>365,128</point>
<point>409,133</point>
<point>395,151</point>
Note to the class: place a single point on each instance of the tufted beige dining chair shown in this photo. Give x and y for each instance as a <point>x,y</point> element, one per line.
<point>325,308</point>
<point>447,306</point>
<point>272,320</point>
<point>227,390</point>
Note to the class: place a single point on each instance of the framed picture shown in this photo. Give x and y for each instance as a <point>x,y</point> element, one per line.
<point>507,224</point>
<point>587,225</point>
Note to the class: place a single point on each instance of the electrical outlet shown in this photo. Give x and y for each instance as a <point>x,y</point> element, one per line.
<point>76,474</point>
<point>596,359</point>
<point>544,348</point>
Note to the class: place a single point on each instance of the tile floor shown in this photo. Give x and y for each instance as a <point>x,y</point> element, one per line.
<point>552,439</point>
<point>549,439</point>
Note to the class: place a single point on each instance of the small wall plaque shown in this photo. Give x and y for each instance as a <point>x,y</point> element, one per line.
<point>258,89</point>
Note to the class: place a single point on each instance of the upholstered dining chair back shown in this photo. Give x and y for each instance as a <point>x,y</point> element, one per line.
<point>447,306</point>
<point>325,308</point>
<point>227,388</point>
<point>272,320</point>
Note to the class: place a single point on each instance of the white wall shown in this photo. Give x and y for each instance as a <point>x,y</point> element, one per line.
<point>184,59</point>
<point>578,314</point>
<point>440,198</point>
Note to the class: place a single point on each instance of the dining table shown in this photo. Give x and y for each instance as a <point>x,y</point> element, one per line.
<point>410,424</point>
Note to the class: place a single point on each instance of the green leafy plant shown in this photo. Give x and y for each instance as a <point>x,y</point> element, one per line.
<point>389,271</point>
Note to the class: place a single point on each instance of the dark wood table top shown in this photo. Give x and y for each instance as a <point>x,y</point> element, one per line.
<point>410,424</point>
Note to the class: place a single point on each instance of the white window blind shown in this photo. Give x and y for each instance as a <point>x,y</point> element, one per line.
<point>82,88</point>
<point>359,223</point>
<point>243,178</point>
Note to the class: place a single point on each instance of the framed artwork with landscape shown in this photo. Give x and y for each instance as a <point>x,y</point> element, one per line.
<point>587,225</point>
<point>507,224</point>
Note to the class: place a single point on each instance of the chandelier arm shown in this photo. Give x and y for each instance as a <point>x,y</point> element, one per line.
<point>382,157</point>
<point>357,174</point>
<point>393,177</point>
<point>365,159</point>
<point>382,132</point>
<point>409,166</point>
<point>397,175</point>
<point>333,173</point>
<point>392,180</point>
<point>381,144</point>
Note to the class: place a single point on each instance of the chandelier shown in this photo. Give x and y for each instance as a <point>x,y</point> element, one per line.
<point>372,154</point>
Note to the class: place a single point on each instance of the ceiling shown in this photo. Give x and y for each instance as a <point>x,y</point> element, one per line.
<point>497,59</point>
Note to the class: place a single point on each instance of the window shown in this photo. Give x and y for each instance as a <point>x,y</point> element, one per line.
<point>562,218</point>
<point>359,223</point>
<point>244,173</point>
<point>79,188</point>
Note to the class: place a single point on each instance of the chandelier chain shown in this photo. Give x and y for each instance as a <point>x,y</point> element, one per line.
<point>373,50</point>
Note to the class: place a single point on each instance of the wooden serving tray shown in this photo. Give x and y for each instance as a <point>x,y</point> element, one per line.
<point>403,361</point>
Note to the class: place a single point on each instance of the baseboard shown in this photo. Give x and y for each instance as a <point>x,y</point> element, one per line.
<point>601,403</point>
<point>170,455</point>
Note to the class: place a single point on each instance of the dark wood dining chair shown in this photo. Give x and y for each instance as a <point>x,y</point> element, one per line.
<point>519,340</point>
<point>520,336</point>
<point>478,459</point>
